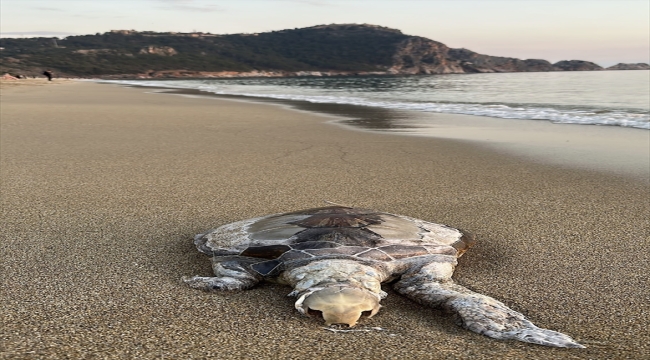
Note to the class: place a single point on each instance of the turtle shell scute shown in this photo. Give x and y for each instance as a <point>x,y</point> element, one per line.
<point>265,252</point>
<point>403,251</point>
<point>343,250</point>
<point>338,220</point>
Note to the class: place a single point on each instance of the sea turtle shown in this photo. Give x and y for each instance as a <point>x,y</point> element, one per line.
<point>337,257</point>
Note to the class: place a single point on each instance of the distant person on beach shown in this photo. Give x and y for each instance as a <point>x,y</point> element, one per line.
<point>48,73</point>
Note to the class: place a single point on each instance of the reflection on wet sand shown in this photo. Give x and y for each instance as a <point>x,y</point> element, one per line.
<point>365,117</point>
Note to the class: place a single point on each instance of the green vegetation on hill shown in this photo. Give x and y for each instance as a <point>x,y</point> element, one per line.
<point>337,49</point>
<point>334,47</point>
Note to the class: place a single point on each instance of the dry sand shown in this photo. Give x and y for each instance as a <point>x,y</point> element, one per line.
<point>103,188</point>
<point>28,83</point>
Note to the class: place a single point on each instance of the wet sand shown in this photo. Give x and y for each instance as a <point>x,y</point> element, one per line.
<point>616,149</point>
<point>104,187</point>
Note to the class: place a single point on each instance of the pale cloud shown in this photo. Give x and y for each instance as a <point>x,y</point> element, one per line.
<point>311,2</point>
<point>190,5</point>
<point>19,34</point>
<point>44,8</point>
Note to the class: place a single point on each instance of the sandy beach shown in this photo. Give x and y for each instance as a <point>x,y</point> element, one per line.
<point>103,188</point>
<point>24,84</point>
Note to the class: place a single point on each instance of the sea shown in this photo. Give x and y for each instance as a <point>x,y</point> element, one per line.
<point>602,98</point>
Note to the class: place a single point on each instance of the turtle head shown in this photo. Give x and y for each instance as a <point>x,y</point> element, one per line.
<point>339,304</point>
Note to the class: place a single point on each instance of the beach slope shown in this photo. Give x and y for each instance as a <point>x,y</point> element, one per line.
<point>104,187</point>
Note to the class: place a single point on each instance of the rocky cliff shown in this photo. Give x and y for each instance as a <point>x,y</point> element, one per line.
<point>158,50</point>
<point>621,66</point>
<point>576,65</point>
<point>417,55</point>
<point>477,63</point>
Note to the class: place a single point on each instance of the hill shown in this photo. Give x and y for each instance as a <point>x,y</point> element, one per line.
<point>343,49</point>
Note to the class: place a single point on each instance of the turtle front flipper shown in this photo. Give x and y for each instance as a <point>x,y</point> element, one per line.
<point>479,313</point>
<point>230,275</point>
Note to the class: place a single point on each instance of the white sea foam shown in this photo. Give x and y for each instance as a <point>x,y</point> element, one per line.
<point>394,99</point>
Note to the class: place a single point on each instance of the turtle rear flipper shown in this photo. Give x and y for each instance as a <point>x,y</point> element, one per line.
<point>485,315</point>
<point>479,313</point>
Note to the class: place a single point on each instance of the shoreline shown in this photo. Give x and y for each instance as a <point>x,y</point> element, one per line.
<point>613,149</point>
<point>103,188</point>
<point>175,74</point>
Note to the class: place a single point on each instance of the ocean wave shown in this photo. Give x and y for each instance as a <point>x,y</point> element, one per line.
<point>561,114</point>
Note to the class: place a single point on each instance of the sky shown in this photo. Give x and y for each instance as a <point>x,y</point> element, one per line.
<point>603,31</point>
